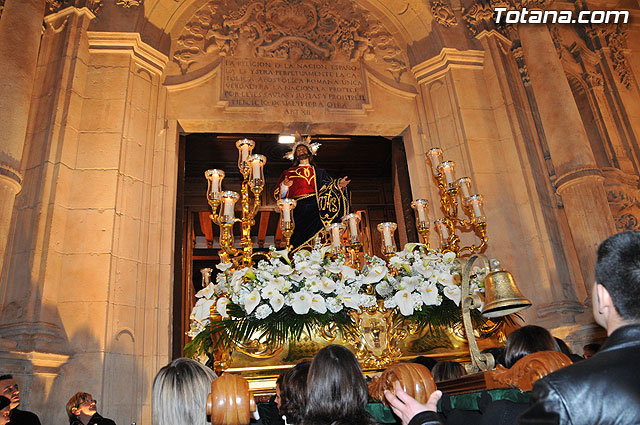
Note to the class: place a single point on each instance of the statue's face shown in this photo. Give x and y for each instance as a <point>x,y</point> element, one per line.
<point>302,152</point>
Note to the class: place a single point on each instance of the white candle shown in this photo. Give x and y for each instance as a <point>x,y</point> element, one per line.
<point>228,207</point>
<point>353,227</point>
<point>442,229</point>
<point>421,215</point>
<point>449,174</point>
<point>335,237</point>
<point>435,156</point>
<point>255,166</point>
<point>476,205</point>
<point>464,184</point>
<point>386,234</point>
<point>215,183</point>
<point>286,212</point>
<point>244,152</point>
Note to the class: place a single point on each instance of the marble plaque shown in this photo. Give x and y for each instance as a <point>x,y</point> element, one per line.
<point>300,87</point>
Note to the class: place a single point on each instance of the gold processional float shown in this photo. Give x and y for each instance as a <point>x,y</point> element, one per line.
<point>405,305</point>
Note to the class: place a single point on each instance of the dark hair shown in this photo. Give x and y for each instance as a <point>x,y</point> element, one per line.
<point>443,371</point>
<point>336,389</point>
<point>563,347</point>
<point>296,162</point>
<point>293,386</point>
<point>526,340</point>
<point>497,353</point>
<point>618,270</point>
<point>428,362</point>
<point>4,377</point>
<point>591,349</point>
<point>4,402</point>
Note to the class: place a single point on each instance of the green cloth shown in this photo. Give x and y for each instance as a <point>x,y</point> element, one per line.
<point>470,401</point>
<point>381,413</point>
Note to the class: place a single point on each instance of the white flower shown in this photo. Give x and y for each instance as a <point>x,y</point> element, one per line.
<point>263,311</point>
<point>237,279</point>
<point>348,273</point>
<point>206,292</point>
<point>314,284</point>
<point>251,301</point>
<point>277,301</point>
<point>390,303</point>
<point>327,285</point>
<point>376,274</point>
<point>223,266</point>
<point>453,293</point>
<point>301,302</point>
<point>405,302</point>
<point>201,310</point>
<point>350,300</point>
<point>333,267</point>
<point>448,257</point>
<point>317,303</point>
<point>367,301</point>
<point>269,291</point>
<point>333,304</point>
<point>429,294</point>
<point>284,270</point>
<point>446,279</point>
<point>409,283</point>
<point>383,289</point>
<point>221,306</point>
<point>396,261</point>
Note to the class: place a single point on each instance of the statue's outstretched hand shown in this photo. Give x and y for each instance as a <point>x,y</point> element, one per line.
<point>287,182</point>
<point>344,182</point>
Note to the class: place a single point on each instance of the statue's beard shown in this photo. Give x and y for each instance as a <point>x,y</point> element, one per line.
<point>303,156</point>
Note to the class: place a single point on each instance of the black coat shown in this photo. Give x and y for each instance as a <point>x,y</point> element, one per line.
<point>22,417</point>
<point>96,419</point>
<point>604,389</point>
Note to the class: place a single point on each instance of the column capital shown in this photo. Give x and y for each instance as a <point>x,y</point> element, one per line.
<point>55,6</point>
<point>448,58</point>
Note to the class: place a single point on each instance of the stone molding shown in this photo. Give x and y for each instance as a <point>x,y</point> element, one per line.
<point>448,59</point>
<point>129,3</point>
<point>12,175</point>
<point>301,30</point>
<point>443,14</point>
<point>124,42</point>
<point>479,17</point>
<point>575,176</point>
<point>615,39</point>
<point>623,196</point>
<point>55,6</point>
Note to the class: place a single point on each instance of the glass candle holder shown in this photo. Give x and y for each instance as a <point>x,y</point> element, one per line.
<point>448,169</point>
<point>387,230</point>
<point>477,210</point>
<point>256,162</point>
<point>335,232</point>
<point>435,158</point>
<point>421,209</point>
<point>351,222</point>
<point>443,232</point>
<point>245,147</point>
<point>214,184</point>
<point>227,206</point>
<point>464,187</point>
<point>286,207</point>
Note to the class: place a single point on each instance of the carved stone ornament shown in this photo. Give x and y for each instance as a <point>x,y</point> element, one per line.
<point>557,41</point>
<point>479,17</point>
<point>129,3</point>
<point>624,198</point>
<point>614,37</point>
<point>288,29</point>
<point>443,14</point>
<point>518,54</point>
<point>54,6</point>
<point>594,79</point>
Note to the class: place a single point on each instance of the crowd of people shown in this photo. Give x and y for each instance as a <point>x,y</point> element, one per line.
<point>603,388</point>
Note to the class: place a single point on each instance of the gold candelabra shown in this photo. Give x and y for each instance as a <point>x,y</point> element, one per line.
<point>223,203</point>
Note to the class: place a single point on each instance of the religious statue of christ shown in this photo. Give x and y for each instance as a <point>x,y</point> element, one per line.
<point>320,199</point>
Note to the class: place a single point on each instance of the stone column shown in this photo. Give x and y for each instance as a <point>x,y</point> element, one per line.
<point>20,31</point>
<point>578,181</point>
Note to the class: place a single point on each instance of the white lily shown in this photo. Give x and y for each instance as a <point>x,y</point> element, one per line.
<point>405,302</point>
<point>284,270</point>
<point>269,291</point>
<point>317,304</point>
<point>453,293</point>
<point>376,274</point>
<point>206,292</point>
<point>327,285</point>
<point>277,302</point>
<point>348,273</point>
<point>251,301</point>
<point>301,302</point>
<point>221,306</point>
<point>429,294</point>
<point>448,257</point>
<point>201,310</point>
<point>350,300</point>
<point>223,266</point>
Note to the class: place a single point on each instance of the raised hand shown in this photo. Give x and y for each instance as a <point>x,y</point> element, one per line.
<point>343,182</point>
<point>406,407</point>
<point>287,182</point>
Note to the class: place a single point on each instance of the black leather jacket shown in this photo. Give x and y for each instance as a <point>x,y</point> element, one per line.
<point>605,389</point>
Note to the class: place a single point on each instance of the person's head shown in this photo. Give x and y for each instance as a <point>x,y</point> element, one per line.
<point>590,349</point>
<point>336,388</point>
<point>563,347</point>
<point>5,410</point>
<point>292,392</point>
<point>179,393</point>
<point>81,406</point>
<point>445,370</point>
<point>428,362</point>
<point>527,340</point>
<point>302,152</point>
<point>9,389</point>
<point>617,288</point>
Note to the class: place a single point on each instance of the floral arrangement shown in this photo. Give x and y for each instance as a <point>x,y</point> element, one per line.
<point>279,297</point>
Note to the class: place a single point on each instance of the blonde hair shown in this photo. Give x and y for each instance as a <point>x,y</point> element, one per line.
<point>179,395</point>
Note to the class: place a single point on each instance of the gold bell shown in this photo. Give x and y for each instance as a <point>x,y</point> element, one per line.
<point>501,295</point>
